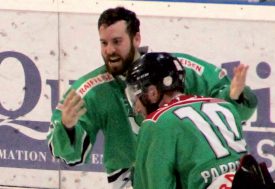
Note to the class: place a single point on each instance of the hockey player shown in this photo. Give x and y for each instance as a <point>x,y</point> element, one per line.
<point>97,101</point>
<point>186,141</point>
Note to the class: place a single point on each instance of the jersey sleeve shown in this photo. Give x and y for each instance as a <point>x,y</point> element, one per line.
<point>72,147</point>
<point>205,79</point>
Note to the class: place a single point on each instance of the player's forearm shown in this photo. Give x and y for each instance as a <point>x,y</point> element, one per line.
<point>62,146</point>
<point>246,103</point>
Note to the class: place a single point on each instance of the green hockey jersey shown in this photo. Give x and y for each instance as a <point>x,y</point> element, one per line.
<point>205,79</point>
<point>109,111</point>
<point>188,143</point>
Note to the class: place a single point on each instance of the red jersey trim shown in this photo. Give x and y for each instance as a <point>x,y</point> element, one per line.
<point>178,101</point>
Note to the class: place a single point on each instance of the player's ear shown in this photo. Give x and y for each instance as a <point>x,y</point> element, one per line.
<point>137,40</point>
<point>153,94</point>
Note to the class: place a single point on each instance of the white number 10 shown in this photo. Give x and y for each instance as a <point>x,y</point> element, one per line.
<point>226,127</point>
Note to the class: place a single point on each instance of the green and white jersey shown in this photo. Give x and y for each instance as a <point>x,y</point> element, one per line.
<point>108,110</point>
<point>192,139</point>
<point>205,79</point>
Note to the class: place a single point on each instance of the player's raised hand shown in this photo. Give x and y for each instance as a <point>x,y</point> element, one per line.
<point>73,108</point>
<point>238,81</point>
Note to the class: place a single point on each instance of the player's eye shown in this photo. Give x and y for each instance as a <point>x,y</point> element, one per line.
<point>117,41</point>
<point>103,43</point>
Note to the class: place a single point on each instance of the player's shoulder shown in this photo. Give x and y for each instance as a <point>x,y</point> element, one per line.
<point>189,57</point>
<point>91,74</point>
<point>194,63</point>
<point>92,79</point>
<point>181,101</point>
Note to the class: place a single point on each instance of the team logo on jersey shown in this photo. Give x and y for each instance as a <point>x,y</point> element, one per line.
<point>92,82</point>
<point>193,65</point>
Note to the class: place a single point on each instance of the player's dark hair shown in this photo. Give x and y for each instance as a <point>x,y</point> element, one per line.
<point>113,15</point>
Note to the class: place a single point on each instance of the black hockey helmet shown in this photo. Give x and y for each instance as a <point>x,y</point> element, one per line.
<point>156,68</point>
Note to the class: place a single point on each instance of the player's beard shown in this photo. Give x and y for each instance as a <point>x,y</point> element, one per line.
<point>125,62</point>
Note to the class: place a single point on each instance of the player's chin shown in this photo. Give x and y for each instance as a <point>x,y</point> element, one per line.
<point>115,69</point>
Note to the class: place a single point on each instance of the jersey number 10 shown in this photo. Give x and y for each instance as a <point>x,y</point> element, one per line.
<point>219,117</point>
